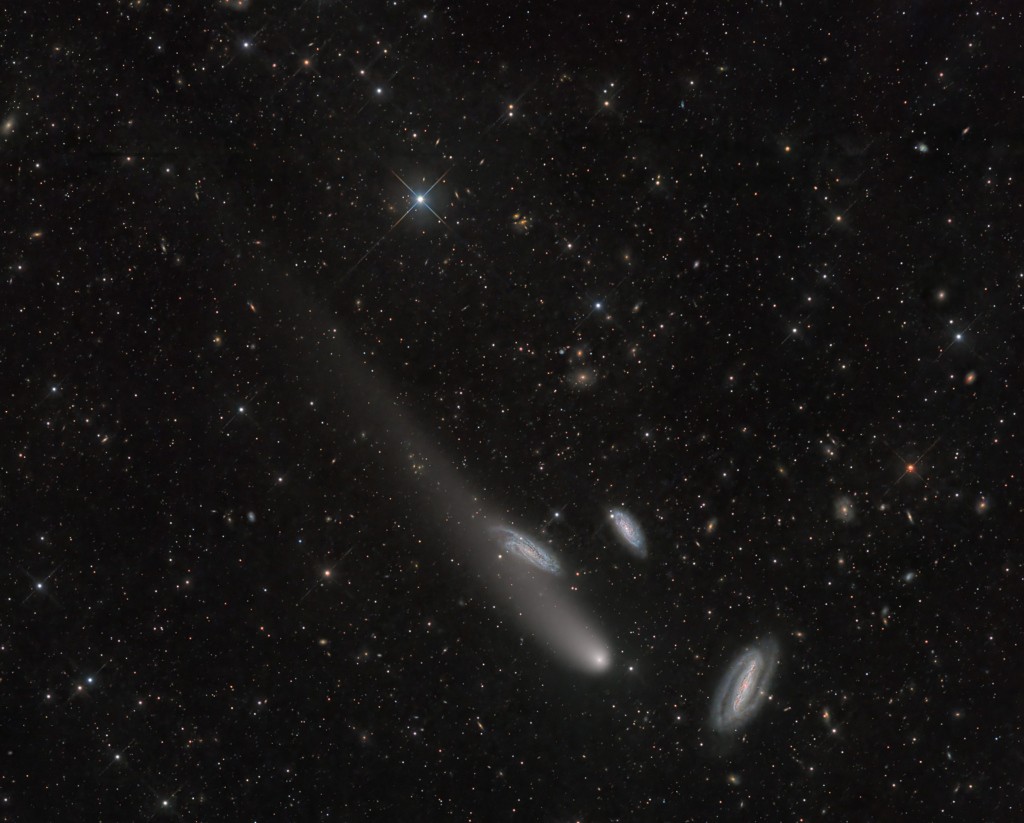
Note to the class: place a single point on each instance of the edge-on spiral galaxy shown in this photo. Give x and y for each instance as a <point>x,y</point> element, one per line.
<point>523,547</point>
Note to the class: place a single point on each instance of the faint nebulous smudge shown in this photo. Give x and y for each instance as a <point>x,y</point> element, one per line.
<point>842,509</point>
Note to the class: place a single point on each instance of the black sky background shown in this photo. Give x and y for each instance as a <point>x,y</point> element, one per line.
<point>195,226</point>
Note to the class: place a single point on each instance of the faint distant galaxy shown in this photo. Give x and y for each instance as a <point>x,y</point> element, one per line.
<point>521,546</point>
<point>842,509</point>
<point>744,687</point>
<point>628,530</point>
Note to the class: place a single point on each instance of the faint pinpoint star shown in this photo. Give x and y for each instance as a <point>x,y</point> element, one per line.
<point>609,96</point>
<point>509,112</point>
<point>118,758</point>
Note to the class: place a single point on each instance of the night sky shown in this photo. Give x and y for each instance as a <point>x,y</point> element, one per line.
<point>316,315</point>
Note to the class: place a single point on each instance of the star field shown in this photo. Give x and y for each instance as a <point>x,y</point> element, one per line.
<point>298,298</point>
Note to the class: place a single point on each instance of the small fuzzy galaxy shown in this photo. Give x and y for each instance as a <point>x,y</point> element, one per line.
<point>512,411</point>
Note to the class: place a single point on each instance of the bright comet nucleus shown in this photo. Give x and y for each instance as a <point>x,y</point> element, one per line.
<point>744,687</point>
<point>600,661</point>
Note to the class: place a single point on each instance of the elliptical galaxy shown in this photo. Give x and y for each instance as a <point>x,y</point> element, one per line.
<point>743,689</point>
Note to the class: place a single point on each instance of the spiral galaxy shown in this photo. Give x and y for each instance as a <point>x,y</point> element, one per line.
<point>628,530</point>
<point>743,689</point>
